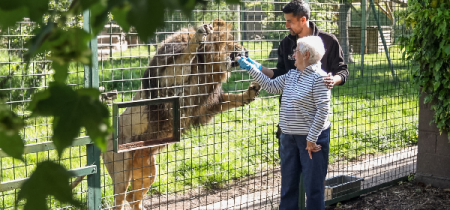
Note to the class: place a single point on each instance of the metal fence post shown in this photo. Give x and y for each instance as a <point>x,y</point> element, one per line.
<point>386,50</point>
<point>363,35</point>
<point>91,79</point>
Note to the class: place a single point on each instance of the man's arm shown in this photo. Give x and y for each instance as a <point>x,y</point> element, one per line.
<point>338,66</point>
<point>331,80</point>
<point>338,69</point>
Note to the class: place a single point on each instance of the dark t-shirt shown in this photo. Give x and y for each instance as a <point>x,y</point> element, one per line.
<point>332,61</point>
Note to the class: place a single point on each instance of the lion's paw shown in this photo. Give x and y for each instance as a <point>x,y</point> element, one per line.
<point>203,31</point>
<point>253,91</point>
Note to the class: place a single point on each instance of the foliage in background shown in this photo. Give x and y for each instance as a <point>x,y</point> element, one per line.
<point>65,45</point>
<point>428,47</point>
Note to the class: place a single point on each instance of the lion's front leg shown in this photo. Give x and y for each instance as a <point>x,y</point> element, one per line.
<point>231,100</point>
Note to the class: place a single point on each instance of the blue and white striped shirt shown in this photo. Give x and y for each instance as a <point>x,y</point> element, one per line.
<point>305,103</point>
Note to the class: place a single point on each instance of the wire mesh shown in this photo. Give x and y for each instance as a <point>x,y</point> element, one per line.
<point>227,157</point>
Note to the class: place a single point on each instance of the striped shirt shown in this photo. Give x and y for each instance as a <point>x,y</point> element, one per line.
<point>305,103</point>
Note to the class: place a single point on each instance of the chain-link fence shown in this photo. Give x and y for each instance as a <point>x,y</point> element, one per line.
<point>227,156</point>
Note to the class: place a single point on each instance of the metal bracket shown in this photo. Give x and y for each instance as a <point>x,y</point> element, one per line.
<point>118,148</point>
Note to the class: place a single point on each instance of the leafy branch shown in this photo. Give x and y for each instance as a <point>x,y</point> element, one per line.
<point>428,47</point>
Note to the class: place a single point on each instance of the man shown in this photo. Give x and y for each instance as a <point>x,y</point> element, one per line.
<point>297,14</point>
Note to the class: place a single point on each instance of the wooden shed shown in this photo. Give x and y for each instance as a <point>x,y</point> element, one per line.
<point>374,43</point>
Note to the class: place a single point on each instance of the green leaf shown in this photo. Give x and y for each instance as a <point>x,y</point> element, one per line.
<point>232,1</point>
<point>428,98</point>
<point>97,124</point>
<point>72,110</point>
<point>78,6</point>
<point>70,46</point>
<point>35,43</point>
<point>447,49</point>
<point>65,45</point>
<point>11,144</point>
<point>120,15</point>
<point>441,124</point>
<point>10,17</point>
<point>99,15</point>
<point>38,97</point>
<point>16,10</point>
<point>10,125</point>
<point>442,94</point>
<point>37,9</point>
<point>61,72</point>
<point>48,179</point>
<point>153,11</point>
<point>436,85</point>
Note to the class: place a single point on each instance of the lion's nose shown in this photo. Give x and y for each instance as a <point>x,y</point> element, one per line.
<point>243,52</point>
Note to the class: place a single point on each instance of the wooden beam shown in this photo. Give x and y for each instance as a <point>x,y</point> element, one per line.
<point>389,10</point>
<point>385,12</point>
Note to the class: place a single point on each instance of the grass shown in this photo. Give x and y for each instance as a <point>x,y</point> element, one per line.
<point>370,114</point>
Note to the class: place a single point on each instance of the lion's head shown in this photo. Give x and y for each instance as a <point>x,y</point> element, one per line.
<point>221,48</point>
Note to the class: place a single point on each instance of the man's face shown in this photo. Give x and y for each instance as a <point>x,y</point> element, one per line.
<point>294,24</point>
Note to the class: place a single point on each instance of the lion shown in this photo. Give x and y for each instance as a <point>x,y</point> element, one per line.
<point>191,64</point>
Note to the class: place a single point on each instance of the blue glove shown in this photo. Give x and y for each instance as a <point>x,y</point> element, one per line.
<point>258,65</point>
<point>245,64</point>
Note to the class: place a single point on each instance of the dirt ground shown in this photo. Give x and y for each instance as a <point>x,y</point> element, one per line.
<point>261,192</point>
<point>409,195</point>
<point>404,195</point>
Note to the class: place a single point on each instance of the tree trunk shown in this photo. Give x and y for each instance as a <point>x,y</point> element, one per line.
<point>343,22</point>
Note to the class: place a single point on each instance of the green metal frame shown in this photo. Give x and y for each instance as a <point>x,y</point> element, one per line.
<point>386,50</point>
<point>363,34</point>
<point>16,184</point>
<point>91,79</point>
<point>151,142</point>
<point>46,146</point>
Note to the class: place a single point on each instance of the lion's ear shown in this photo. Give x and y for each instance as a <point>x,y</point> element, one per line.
<point>221,25</point>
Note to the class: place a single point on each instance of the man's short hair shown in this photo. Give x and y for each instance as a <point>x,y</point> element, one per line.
<point>298,8</point>
<point>314,45</point>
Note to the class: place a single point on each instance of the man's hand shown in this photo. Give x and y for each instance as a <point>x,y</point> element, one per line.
<point>245,64</point>
<point>312,147</point>
<point>331,80</point>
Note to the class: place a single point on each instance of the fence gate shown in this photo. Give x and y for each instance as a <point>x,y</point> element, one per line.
<point>227,154</point>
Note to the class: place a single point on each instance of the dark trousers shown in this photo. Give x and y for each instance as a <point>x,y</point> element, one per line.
<point>294,161</point>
